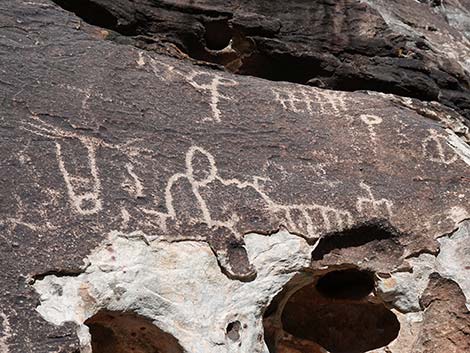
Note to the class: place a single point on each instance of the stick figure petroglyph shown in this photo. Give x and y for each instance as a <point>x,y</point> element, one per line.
<point>212,87</point>
<point>206,82</point>
<point>433,147</point>
<point>371,121</point>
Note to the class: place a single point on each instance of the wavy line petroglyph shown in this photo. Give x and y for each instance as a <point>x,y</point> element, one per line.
<point>7,333</point>
<point>306,219</point>
<point>433,148</point>
<point>377,207</point>
<point>305,100</point>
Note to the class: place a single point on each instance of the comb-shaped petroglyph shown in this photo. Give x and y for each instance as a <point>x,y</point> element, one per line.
<point>307,100</point>
<point>373,206</point>
<point>434,148</point>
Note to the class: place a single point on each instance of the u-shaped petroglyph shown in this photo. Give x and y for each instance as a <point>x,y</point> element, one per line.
<point>86,203</point>
<point>433,148</point>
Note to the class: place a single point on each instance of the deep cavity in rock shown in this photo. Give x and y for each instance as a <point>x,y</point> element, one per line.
<point>336,311</point>
<point>128,333</point>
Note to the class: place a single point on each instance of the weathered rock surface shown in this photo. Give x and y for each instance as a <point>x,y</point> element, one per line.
<point>141,189</point>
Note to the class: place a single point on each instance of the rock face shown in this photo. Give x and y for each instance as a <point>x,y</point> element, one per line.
<point>157,196</point>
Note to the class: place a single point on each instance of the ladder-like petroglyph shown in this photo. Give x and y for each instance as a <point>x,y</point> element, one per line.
<point>310,100</point>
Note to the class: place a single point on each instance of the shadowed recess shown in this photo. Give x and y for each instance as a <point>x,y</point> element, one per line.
<point>340,326</point>
<point>353,237</point>
<point>346,284</point>
<point>117,332</point>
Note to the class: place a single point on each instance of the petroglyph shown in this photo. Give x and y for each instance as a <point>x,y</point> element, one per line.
<point>305,100</point>
<point>87,201</point>
<point>161,70</point>
<point>125,216</point>
<point>84,203</point>
<point>6,333</point>
<point>140,61</point>
<point>205,82</point>
<point>308,219</point>
<point>212,87</point>
<point>371,121</point>
<point>135,186</point>
<point>373,206</point>
<point>433,148</point>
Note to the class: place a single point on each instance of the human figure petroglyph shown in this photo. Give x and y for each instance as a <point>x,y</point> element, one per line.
<point>371,121</point>
<point>376,207</point>
<point>308,219</point>
<point>205,82</point>
<point>433,148</point>
<point>304,100</point>
<point>212,87</point>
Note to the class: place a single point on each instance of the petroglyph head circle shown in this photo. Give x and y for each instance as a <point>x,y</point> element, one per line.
<point>200,165</point>
<point>371,119</point>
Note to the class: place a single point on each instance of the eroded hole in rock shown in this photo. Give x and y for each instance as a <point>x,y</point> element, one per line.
<point>333,312</point>
<point>118,332</point>
<point>353,237</point>
<point>346,284</point>
<point>233,330</point>
<point>90,12</point>
<point>217,34</point>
